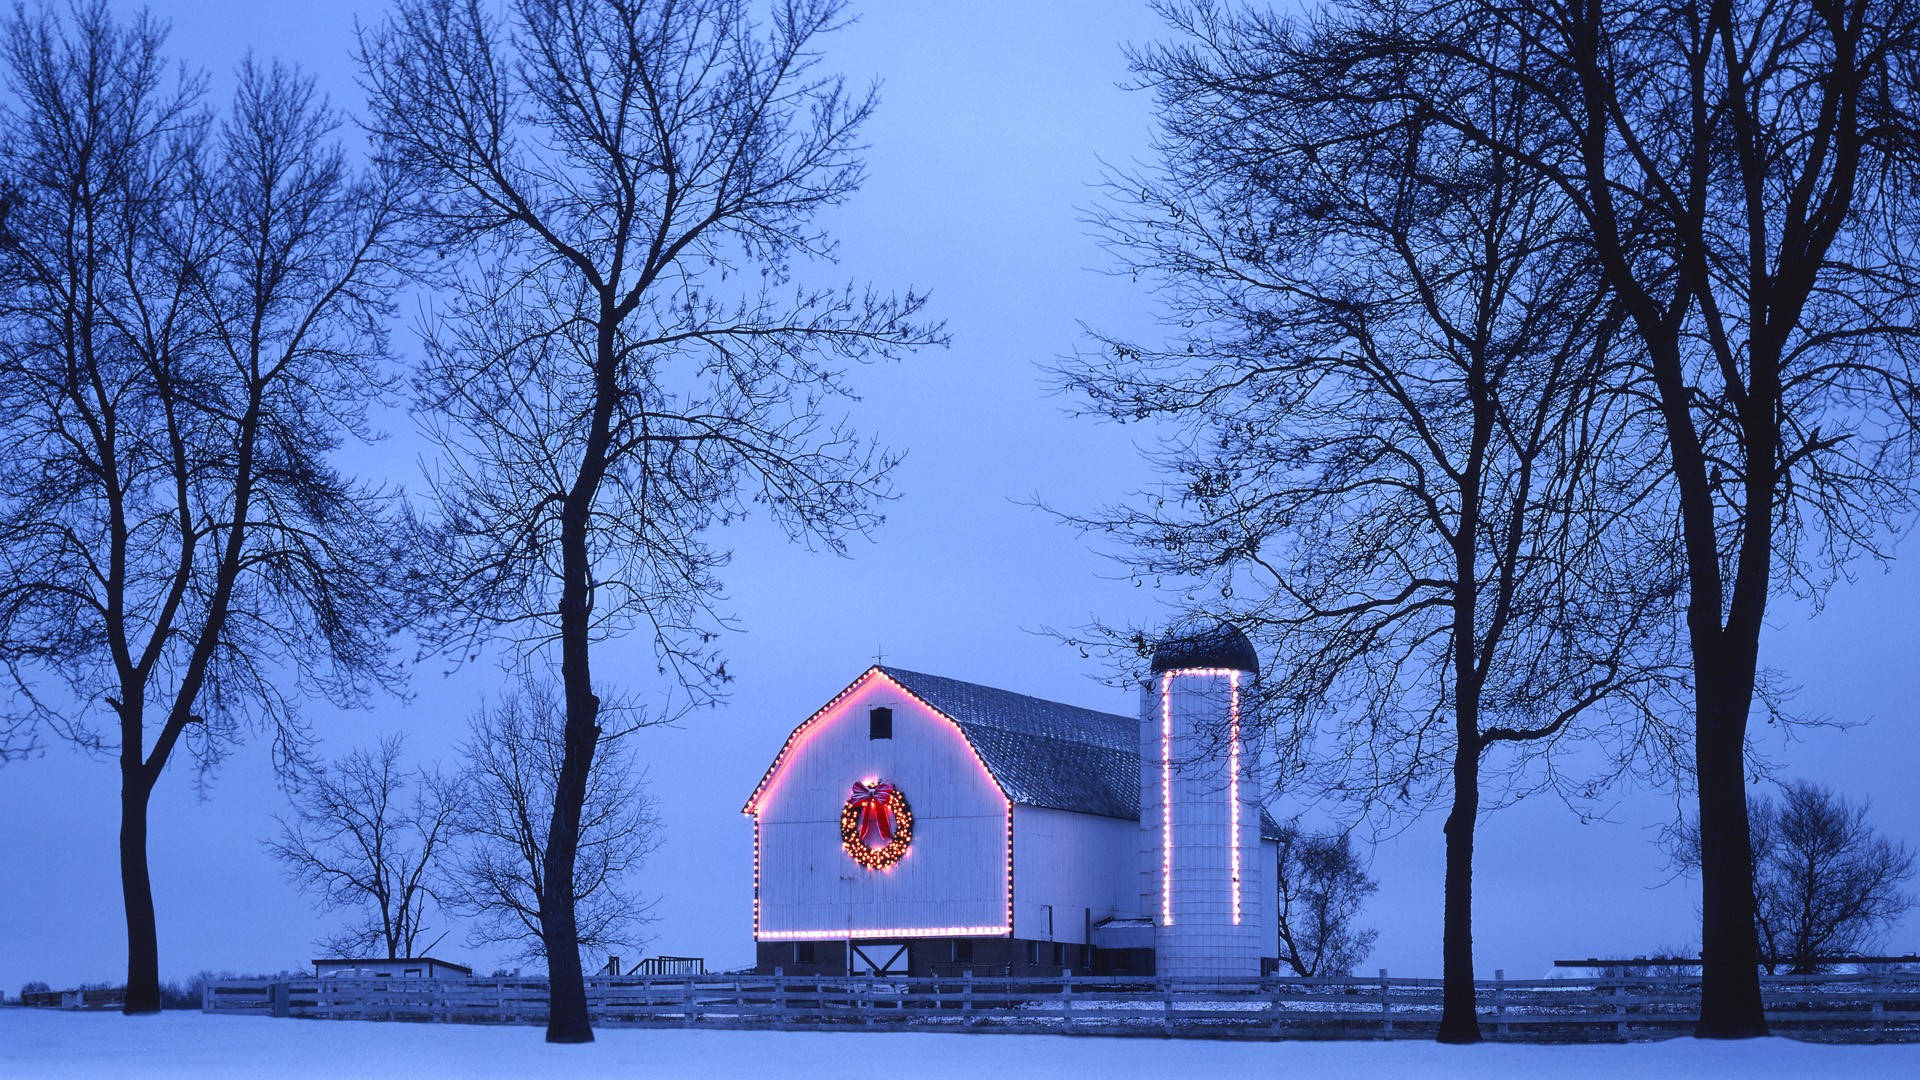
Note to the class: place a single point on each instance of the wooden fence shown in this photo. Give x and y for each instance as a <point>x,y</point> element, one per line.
<point>107,998</point>
<point>1851,1006</point>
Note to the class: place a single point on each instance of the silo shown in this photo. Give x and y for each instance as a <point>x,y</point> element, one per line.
<point>1199,811</point>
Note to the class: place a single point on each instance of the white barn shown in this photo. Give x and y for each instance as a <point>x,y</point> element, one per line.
<point>920,824</point>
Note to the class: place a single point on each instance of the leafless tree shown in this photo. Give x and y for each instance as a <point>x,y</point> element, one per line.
<point>1391,459</point>
<point>1322,886</point>
<point>367,836</point>
<point>627,359</point>
<point>514,752</point>
<point>192,320</point>
<point>1826,882</point>
<point>1745,172</point>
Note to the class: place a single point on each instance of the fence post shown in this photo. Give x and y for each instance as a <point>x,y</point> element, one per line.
<point>966,1000</point>
<point>780,999</point>
<point>1273,1008</point>
<point>1500,999</point>
<point>1386,1005</point>
<point>1880,987</point>
<point>1620,1007</point>
<point>691,1012</point>
<point>1066,999</point>
<point>1166,988</point>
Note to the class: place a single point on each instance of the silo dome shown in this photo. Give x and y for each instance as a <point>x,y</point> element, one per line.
<point>1205,643</point>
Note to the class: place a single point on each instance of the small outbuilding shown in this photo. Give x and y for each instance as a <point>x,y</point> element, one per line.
<point>410,967</point>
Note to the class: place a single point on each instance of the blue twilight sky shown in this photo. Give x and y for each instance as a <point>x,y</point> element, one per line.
<point>994,119</point>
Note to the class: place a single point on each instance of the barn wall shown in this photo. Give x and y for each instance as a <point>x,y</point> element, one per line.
<point>1070,866</point>
<point>1264,896</point>
<point>953,874</point>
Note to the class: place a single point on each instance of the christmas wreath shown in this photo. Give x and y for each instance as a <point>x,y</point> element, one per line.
<point>876,825</point>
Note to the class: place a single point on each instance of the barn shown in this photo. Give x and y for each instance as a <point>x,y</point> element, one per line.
<point>918,824</point>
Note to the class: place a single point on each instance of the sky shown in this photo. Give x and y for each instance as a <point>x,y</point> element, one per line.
<point>994,121</point>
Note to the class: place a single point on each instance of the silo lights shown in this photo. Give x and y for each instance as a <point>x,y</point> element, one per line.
<point>1166,785</point>
<point>1233,785</point>
<point>1166,799</point>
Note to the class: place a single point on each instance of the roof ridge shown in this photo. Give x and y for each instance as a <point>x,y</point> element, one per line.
<point>892,670</point>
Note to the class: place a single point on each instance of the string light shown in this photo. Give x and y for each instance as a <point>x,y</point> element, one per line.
<point>1166,799</point>
<point>797,738</point>
<point>813,724</point>
<point>842,933</point>
<point>1233,784</point>
<point>1166,785</point>
<point>1009,867</point>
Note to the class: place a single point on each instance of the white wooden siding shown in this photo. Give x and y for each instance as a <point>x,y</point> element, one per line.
<point>1078,868</point>
<point>953,874</point>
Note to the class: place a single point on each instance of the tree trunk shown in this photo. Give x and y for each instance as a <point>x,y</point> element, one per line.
<point>1459,1021</point>
<point>567,1018</point>
<point>136,889</point>
<point>1730,1002</point>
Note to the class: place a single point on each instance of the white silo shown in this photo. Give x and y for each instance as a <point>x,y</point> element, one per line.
<point>1202,878</point>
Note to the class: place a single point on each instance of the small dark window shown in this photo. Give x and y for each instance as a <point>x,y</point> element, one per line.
<point>803,952</point>
<point>963,952</point>
<point>880,723</point>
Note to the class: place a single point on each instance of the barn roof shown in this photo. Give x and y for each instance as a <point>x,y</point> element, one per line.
<point>1045,753</point>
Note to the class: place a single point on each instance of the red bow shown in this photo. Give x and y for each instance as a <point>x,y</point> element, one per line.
<point>874,803</point>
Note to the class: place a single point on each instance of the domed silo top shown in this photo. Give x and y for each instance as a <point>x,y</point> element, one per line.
<point>1208,643</point>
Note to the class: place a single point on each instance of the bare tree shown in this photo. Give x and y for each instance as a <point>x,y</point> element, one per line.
<point>628,360</point>
<point>192,322</point>
<point>514,755</point>
<point>367,836</point>
<point>1322,886</point>
<point>1391,458</point>
<point>1745,173</point>
<point>1826,882</point>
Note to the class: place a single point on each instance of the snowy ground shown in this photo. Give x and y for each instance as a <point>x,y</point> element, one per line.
<point>38,1043</point>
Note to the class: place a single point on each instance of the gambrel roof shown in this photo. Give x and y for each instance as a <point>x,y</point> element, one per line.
<point>1042,753</point>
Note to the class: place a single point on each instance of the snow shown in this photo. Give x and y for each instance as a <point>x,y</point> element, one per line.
<point>54,1045</point>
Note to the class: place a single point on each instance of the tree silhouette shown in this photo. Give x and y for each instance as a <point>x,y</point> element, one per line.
<point>1322,885</point>
<point>514,751</point>
<point>1826,882</point>
<point>626,360</point>
<point>1392,459</point>
<point>1745,176</point>
<point>192,321</point>
<point>368,836</point>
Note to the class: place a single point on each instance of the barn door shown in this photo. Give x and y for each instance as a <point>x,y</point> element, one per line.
<point>878,958</point>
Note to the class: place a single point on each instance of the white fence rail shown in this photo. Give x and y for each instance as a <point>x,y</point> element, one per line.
<point>1867,1006</point>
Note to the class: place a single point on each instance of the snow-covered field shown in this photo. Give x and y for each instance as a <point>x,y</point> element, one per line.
<point>36,1043</point>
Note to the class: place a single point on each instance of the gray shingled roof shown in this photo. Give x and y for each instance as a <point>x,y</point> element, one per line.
<point>1045,753</point>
